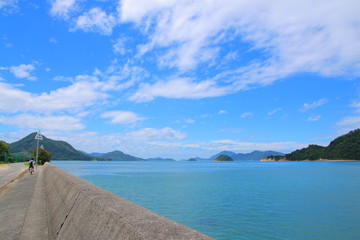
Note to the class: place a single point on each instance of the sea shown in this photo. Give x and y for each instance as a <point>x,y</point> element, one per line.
<point>240,199</point>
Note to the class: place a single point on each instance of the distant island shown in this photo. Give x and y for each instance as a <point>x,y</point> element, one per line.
<point>223,158</point>
<point>345,147</point>
<point>62,150</point>
<point>254,155</point>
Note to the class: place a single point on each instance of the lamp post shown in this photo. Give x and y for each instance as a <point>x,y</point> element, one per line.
<point>38,137</point>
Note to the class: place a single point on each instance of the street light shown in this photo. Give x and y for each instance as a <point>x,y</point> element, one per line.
<point>38,137</point>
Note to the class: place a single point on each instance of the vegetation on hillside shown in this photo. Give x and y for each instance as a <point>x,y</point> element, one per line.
<point>120,156</point>
<point>346,147</point>
<point>59,150</point>
<point>223,158</point>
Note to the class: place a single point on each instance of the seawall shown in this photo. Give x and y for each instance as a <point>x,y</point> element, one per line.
<point>80,210</point>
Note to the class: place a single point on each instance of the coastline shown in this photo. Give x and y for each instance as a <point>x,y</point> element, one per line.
<point>319,160</point>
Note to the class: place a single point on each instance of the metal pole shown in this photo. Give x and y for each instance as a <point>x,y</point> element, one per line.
<point>37,152</point>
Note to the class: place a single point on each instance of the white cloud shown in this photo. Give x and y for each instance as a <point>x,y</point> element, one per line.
<point>356,105</point>
<point>246,114</point>
<point>314,118</point>
<point>274,111</point>
<point>190,121</point>
<point>122,117</point>
<point>150,134</point>
<point>350,122</point>
<point>222,112</point>
<point>178,88</point>
<point>8,6</point>
<point>52,40</point>
<point>96,20</point>
<point>85,92</point>
<point>138,143</point>
<point>63,123</point>
<point>23,71</point>
<point>119,46</point>
<point>237,146</point>
<point>62,8</point>
<point>314,104</point>
<point>293,36</point>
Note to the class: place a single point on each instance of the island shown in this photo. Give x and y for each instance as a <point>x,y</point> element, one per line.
<point>223,158</point>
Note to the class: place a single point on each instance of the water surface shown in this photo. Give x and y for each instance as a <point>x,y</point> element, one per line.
<point>240,200</point>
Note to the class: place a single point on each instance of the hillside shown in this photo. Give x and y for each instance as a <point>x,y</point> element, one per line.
<point>60,150</point>
<point>120,156</point>
<point>223,158</point>
<point>255,155</point>
<point>345,147</point>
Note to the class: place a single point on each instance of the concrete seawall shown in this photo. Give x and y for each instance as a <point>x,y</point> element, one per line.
<point>80,210</point>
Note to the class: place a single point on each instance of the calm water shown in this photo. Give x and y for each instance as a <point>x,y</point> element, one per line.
<point>240,200</point>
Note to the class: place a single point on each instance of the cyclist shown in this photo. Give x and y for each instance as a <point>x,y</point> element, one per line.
<point>31,165</point>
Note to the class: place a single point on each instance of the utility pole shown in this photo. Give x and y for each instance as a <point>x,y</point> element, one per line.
<point>38,137</point>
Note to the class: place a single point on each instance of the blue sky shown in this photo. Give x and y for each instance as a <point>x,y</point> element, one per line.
<point>180,78</point>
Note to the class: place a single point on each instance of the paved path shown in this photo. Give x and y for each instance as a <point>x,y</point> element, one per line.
<point>9,171</point>
<point>23,208</point>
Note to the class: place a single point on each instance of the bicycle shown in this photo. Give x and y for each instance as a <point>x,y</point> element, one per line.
<point>31,170</point>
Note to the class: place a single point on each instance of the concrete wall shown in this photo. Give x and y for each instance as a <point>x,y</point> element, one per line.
<point>79,210</point>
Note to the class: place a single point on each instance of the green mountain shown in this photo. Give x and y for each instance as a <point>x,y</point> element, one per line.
<point>120,156</point>
<point>60,150</point>
<point>346,147</point>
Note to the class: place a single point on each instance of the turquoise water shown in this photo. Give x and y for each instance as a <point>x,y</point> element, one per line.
<point>240,200</point>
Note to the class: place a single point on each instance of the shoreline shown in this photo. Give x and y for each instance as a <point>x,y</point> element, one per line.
<point>319,160</point>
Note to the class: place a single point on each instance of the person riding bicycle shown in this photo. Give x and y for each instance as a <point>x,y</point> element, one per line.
<point>31,164</point>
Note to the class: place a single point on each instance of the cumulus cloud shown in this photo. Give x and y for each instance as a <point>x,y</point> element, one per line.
<point>62,8</point>
<point>8,6</point>
<point>75,97</point>
<point>122,117</point>
<point>96,20</point>
<point>23,71</point>
<point>119,46</point>
<point>293,37</point>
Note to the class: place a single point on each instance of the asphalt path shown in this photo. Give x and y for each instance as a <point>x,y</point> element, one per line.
<point>22,204</point>
<point>9,171</point>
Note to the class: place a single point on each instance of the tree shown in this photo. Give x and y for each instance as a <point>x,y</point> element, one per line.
<point>44,156</point>
<point>4,151</point>
<point>4,148</point>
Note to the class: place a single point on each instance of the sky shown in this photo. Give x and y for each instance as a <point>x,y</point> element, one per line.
<point>180,78</point>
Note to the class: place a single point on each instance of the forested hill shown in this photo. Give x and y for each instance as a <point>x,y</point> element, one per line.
<point>346,147</point>
<point>120,156</point>
<point>60,150</point>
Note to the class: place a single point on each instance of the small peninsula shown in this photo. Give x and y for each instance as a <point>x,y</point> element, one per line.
<point>345,147</point>
<point>223,158</point>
